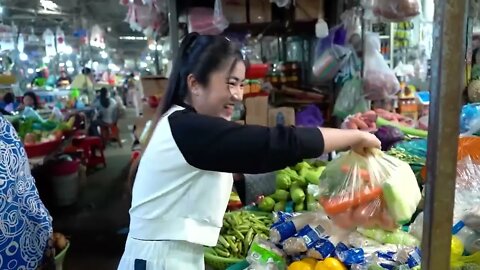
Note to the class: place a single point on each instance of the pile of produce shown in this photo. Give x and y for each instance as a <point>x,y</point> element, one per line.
<point>371,120</point>
<point>292,188</point>
<point>32,130</point>
<point>238,231</point>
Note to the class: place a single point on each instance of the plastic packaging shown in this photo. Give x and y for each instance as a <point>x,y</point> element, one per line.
<point>416,228</point>
<point>262,255</point>
<point>397,237</point>
<point>369,191</point>
<point>469,238</point>
<point>207,21</point>
<point>306,239</point>
<point>380,82</point>
<point>331,55</point>
<point>350,100</point>
<point>397,10</point>
<point>281,231</point>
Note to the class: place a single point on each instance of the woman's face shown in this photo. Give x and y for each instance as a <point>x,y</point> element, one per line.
<point>224,89</point>
<point>28,101</point>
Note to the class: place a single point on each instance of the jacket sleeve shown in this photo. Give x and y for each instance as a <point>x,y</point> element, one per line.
<point>214,144</point>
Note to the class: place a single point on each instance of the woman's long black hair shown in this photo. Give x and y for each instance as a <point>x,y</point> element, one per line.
<point>34,97</point>
<point>104,98</point>
<point>199,55</point>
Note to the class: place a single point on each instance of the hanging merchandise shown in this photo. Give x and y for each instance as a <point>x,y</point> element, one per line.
<point>49,39</point>
<point>396,10</point>
<point>350,100</point>
<point>21,43</point>
<point>146,17</point>
<point>96,37</point>
<point>207,21</point>
<point>60,36</point>
<point>331,55</point>
<point>380,82</point>
<point>321,28</point>
<point>281,3</point>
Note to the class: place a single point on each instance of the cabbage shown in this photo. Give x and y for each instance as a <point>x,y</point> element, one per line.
<point>389,135</point>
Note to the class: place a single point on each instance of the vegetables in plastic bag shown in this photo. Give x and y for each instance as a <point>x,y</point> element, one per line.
<point>350,100</point>
<point>389,135</point>
<point>380,82</point>
<point>369,191</point>
<point>207,21</point>
<point>308,238</point>
<point>396,10</point>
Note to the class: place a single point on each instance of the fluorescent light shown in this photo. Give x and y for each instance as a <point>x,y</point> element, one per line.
<point>61,64</point>
<point>143,65</point>
<point>69,63</point>
<point>132,38</point>
<point>30,71</point>
<point>95,65</point>
<point>148,58</point>
<point>164,61</point>
<point>46,60</point>
<point>1,10</point>
<point>159,47</point>
<point>151,47</point>
<point>67,50</point>
<point>70,70</point>
<point>104,54</point>
<point>113,67</point>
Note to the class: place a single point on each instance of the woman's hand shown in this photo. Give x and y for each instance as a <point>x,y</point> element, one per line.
<point>367,141</point>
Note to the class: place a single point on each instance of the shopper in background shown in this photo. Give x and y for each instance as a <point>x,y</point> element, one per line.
<point>26,224</point>
<point>107,110</point>
<point>64,79</point>
<point>184,177</point>
<point>134,95</point>
<point>30,99</point>
<point>9,102</point>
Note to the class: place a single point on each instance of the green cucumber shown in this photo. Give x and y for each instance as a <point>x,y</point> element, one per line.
<point>407,130</point>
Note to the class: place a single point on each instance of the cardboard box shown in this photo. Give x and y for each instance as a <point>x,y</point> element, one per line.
<point>256,110</point>
<point>154,85</point>
<point>235,11</point>
<point>281,116</point>
<point>260,11</point>
<point>307,10</point>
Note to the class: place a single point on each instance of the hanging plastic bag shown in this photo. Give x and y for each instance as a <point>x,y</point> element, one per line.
<point>397,10</point>
<point>350,100</point>
<point>331,55</point>
<point>369,191</point>
<point>380,82</point>
<point>207,21</point>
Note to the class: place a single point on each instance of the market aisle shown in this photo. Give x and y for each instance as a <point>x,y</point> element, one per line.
<point>92,225</point>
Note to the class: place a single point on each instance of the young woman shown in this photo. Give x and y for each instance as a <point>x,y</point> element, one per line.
<point>184,178</point>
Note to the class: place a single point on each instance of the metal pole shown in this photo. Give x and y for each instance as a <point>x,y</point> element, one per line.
<point>447,83</point>
<point>173,26</point>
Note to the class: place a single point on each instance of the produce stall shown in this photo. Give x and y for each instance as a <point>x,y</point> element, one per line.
<point>389,210</point>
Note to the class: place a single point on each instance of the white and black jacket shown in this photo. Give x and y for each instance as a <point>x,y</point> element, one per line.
<point>184,180</point>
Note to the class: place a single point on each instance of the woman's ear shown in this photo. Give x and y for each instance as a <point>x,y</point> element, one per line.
<point>193,85</point>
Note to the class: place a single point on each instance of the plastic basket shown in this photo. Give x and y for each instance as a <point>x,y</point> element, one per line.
<point>220,263</point>
<point>60,258</point>
<point>42,149</point>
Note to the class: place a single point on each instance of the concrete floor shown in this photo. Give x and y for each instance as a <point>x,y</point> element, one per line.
<point>92,224</point>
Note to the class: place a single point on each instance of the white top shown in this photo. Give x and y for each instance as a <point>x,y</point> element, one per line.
<point>173,200</point>
<point>108,115</point>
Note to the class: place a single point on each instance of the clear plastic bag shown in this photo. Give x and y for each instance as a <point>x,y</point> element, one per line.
<point>331,55</point>
<point>263,255</point>
<point>207,21</point>
<point>350,100</point>
<point>380,82</point>
<point>369,191</point>
<point>397,10</point>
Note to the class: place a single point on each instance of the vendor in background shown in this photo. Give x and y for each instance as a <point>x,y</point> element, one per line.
<point>28,243</point>
<point>64,80</point>
<point>134,97</point>
<point>184,178</point>
<point>30,99</point>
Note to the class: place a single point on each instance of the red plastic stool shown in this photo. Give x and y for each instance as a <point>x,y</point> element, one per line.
<point>93,151</point>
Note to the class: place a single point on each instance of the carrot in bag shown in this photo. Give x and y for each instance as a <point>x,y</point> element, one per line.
<point>341,203</point>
